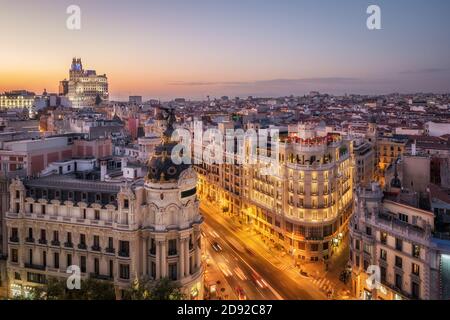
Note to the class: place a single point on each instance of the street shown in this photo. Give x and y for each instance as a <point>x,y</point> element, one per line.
<point>241,257</point>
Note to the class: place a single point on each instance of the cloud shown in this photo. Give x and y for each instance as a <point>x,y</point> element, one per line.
<point>271,82</point>
<point>424,71</point>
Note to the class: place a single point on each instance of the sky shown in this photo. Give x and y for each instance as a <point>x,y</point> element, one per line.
<point>193,48</point>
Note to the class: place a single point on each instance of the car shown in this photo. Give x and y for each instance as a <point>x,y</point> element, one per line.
<point>241,293</point>
<point>216,246</point>
<point>259,280</point>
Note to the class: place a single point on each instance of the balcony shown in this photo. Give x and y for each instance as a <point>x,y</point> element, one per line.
<point>100,277</point>
<point>82,246</point>
<point>110,250</point>
<point>124,254</point>
<point>34,266</point>
<point>68,244</point>
<point>29,240</point>
<point>55,243</point>
<point>42,241</point>
<point>96,248</point>
<point>172,252</point>
<point>14,239</point>
<point>153,251</point>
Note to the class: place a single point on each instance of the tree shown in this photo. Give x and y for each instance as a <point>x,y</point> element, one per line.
<point>163,289</point>
<point>91,289</point>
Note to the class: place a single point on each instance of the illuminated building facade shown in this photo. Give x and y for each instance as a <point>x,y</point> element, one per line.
<point>85,86</point>
<point>114,231</point>
<point>402,241</point>
<point>17,99</point>
<point>304,206</point>
<point>389,150</point>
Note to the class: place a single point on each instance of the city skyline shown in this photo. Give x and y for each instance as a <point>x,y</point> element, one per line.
<point>164,50</point>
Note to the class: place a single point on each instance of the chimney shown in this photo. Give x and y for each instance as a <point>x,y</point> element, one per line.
<point>102,170</point>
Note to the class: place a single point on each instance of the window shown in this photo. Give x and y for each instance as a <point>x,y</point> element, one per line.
<point>383,238</point>
<point>56,260</point>
<point>125,204</point>
<point>97,214</point>
<point>383,254</point>
<point>153,270</point>
<point>398,244</point>
<point>69,237</point>
<point>188,193</point>
<point>56,236</point>
<point>111,269</point>
<point>69,260</point>
<point>403,217</point>
<point>96,243</point>
<point>357,245</point>
<point>382,274</point>
<point>110,243</point>
<point>14,235</point>
<point>368,231</point>
<point>398,281</point>
<point>173,271</point>
<point>43,235</point>
<point>14,255</point>
<point>43,209</point>
<point>96,266</point>
<point>415,269</point>
<point>398,262</point>
<point>36,278</point>
<point>416,251</point>
<point>84,213</point>
<point>124,271</point>
<point>152,246</point>
<point>31,208</point>
<point>30,234</point>
<point>83,264</point>
<point>172,247</point>
<point>415,290</point>
<point>82,239</point>
<point>124,248</point>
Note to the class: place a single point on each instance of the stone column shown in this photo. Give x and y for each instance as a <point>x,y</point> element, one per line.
<point>198,253</point>
<point>186,258</point>
<point>145,256</point>
<point>158,259</point>
<point>181,254</point>
<point>163,259</point>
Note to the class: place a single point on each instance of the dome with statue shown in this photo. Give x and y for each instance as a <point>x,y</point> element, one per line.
<point>161,168</point>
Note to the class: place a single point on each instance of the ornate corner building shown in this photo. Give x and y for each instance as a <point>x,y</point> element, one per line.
<point>114,231</point>
<point>303,206</point>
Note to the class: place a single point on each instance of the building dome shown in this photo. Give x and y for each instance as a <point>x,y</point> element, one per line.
<point>161,167</point>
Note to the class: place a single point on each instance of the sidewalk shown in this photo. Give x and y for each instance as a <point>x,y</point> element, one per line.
<point>214,277</point>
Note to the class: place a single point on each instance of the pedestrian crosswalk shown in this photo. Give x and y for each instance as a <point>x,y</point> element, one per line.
<point>323,283</point>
